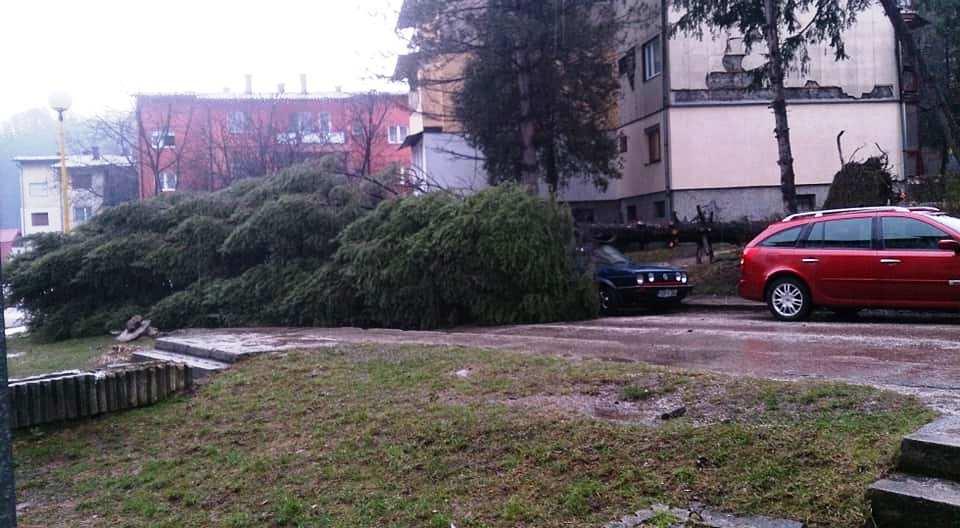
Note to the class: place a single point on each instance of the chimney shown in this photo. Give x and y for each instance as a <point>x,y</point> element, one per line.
<point>95,152</point>
<point>339,89</point>
<point>281,88</point>
<point>303,84</point>
<point>249,84</point>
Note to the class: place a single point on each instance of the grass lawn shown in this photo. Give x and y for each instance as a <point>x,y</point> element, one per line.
<point>393,436</point>
<point>40,357</point>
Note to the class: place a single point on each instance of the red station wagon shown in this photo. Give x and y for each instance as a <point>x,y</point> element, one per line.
<point>849,259</point>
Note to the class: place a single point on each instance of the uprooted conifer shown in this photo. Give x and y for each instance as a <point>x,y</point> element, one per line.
<point>306,246</point>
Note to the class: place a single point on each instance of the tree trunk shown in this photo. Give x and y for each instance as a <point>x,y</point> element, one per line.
<point>788,186</point>
<point>551,173</point>
<point>946,120</point>
<point>528,160</point>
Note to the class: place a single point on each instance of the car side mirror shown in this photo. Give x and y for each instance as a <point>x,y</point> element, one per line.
<point>949,245</point>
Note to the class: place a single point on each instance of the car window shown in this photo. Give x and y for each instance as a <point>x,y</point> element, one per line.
<point>852,233</point>
<point>907,233</point>
<point>608,255</point>
<point>785,238</point>
<point>949,221</point>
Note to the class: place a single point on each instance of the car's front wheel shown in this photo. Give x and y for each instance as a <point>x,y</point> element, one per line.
<point>607,299</point>
<point>789,299</point>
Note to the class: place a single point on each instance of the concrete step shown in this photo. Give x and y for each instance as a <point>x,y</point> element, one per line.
<point>199,367</point>
<point>910,501</point>
<point>199,348</point>
<point>933,451</point>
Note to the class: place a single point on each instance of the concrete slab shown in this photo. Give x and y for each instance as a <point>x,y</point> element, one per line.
<point>230,346</point>
<point>200,366</point>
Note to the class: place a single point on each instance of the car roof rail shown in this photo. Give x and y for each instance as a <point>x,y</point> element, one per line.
<point>925,209</point>
<point>826,212</point>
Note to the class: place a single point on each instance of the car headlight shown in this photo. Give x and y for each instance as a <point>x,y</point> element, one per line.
<point>683,279</point>
<point>679,277</point>
<point>651,277</point>
<point>639,279</point>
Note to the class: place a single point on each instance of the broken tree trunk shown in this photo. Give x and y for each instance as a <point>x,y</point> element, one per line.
<point>945,118</point>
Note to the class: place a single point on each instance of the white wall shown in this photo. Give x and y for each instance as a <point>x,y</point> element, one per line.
<point>447,161</point>
<point>31,202</point>
<point>734,146</point>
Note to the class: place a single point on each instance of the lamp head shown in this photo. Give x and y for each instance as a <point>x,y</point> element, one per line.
<point>60,101</point>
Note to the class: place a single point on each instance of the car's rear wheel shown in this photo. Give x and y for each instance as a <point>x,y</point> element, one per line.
<point>789,299</point>
<point>607,299</point>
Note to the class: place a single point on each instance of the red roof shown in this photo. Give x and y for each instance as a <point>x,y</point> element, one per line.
<point>9,235</point>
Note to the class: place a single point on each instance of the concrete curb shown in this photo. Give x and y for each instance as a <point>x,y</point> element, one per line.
<point>712,302</point>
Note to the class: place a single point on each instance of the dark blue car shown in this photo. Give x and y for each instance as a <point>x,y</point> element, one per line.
<point>623,283</point>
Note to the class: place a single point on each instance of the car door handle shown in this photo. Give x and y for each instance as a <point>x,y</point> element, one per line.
<point>809,260</point>
<point>892,262</point>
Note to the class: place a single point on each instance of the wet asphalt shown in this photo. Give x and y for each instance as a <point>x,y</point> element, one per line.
<point>911,353</point>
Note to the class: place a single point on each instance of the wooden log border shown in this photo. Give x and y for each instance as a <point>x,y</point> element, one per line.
<point>78,395</point>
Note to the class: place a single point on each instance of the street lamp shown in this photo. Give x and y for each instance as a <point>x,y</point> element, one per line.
<point>60,103</point>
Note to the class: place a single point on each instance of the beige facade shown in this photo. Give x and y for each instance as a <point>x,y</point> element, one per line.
<point>718,149</point>
<point>692,133</point>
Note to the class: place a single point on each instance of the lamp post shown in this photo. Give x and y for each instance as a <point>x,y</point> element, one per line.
<point>60,103</point>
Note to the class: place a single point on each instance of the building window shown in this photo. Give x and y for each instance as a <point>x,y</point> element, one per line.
<point>627,65</point>
<point>301,122</point>
<point>39,190</point>
<point>660,209</point>
<point>39,219</point>
<point>582,215</point>
<point>237,122</point>
<point>81,181</point>
<point>653,144</point>
<point>82,214</point>
<point>652,61</point>
<point>326,124</point>
<point>806,202</point>
<point>631,213</point>
<point>396,134</point>
<point>168,182</point>
<point>622,139</point>
<point>164,139</point>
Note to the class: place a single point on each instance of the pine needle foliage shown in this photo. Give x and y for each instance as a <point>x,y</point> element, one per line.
<point>305,246</point>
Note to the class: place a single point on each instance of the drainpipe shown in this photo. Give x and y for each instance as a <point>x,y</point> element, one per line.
<point>665,137</point>
<point>898,57</point>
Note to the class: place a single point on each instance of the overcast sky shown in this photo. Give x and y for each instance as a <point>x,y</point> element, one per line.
<point>102,51</point>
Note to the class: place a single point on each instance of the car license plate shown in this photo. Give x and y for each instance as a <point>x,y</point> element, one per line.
<point>666,294</point>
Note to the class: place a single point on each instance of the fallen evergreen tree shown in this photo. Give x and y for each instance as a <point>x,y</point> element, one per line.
<point>306,246</point>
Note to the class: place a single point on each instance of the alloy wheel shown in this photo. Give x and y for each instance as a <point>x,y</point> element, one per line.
<point>787,299</point>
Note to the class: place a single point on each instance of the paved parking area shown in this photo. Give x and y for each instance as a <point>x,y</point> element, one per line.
<point>906,352</point>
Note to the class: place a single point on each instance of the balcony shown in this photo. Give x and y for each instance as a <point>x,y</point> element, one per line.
<point>312,138</point>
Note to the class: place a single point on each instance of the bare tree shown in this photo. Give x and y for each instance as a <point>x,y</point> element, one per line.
<point>368,130</point>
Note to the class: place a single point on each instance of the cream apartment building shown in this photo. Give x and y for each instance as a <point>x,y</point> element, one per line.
<point>95,181</point>
<point>692,133</point>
